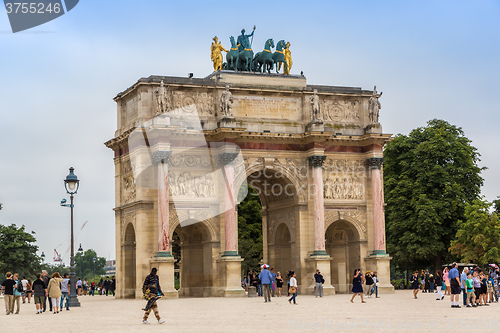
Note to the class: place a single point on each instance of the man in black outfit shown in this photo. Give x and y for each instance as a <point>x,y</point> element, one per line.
<point>112,285</point>
<point>106,285</point>
<point>46,279</point>
<point>8,287</point>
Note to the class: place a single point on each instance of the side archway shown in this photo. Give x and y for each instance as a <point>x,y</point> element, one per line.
<point>129,258</point>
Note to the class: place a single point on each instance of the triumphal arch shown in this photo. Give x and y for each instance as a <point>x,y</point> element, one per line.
<point>185,150</point>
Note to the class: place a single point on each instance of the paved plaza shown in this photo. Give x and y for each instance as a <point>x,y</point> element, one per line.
<point>390,313</point>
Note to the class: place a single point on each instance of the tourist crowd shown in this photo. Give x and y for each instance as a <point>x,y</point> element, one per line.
<point>477,287</point>
<point>52,289</point>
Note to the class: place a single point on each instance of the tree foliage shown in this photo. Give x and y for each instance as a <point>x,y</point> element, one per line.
<point>429,176</point>
<point>250,231</point>
<point>478,236</point>
<point>85,267</point>
<point>496,205</point>
<point>18,251</point>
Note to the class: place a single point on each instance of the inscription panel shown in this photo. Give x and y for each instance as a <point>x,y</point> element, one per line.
<point>267,107</point>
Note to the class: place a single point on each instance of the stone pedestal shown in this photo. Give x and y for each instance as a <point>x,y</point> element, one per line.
<point>380,263</point>
<point>374,128</point>
<point>165,266</point>
<point>229,277</point>
<point>315,126</point>
<point>227,122</point>
<point>323,264</point>
<point>252,291</point>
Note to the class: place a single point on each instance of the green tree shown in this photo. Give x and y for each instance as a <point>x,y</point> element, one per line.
<point>18,251</point>
<point>478,236</point>
<point>250,230</point>
<point>429,176</point>
<point>496,205</point>
<point>85,267</point>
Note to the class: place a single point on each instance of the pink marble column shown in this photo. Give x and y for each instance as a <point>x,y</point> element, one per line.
<point>378,205</point>
<point>161,159</point>
<point>316,162</point>
<point>230,218</point>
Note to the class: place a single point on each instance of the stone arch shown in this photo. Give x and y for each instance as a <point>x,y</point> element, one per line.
<point>332,217</point>
<point>196,271</point>
<point>277,168</point>
<point>280,250</point>
<point>129,261</point>
<point>343,244</point>
<point>210,224</point>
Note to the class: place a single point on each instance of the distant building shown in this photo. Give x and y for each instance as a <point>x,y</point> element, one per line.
<point>110,267</point>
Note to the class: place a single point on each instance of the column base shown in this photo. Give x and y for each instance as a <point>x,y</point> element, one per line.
<point>165,266</point>
<point>229,277</point>
<point>164,254</point>
<point>381,263</point>
<point>74,302</point>
<point>231,254</point>
<point>320,261</point>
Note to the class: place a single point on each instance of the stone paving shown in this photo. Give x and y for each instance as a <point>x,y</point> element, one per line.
<point>397,312</point>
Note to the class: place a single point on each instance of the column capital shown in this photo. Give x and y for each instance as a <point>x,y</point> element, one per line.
<point>316,161</point>
<point>227,158</point>
<point>161,156</point>
<point>375,162</point>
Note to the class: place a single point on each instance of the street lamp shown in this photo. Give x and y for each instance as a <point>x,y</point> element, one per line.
<point>80,250</point>
<point>71,184</point>
<point>43,257</point>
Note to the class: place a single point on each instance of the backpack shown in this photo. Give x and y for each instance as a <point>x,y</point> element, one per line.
<point>19,287</point>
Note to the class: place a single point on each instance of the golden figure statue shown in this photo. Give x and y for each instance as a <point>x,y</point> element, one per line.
<point>288,59</point>
<point>216,54</point>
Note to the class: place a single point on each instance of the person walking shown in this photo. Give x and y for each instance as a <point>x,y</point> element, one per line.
<point>293,288</point>
<point>454,285</point>
<point>319,284</point>
<point>446,280</point>
<point>8,286</point>
<point>79,287</point>
<point>29,290</point>
<point>273,282</point>
<point>368,284</point>
<point>431,283</point>
<point>463,287</point>
<point>357,285</point>
<point>39,290</point>
<point>17,294</point>
<point>65,286</point>
<point>85,285</point>
<point>279,283</point>
<point>414,284</point>
<point>92,288</point>
<point>112,285</point>
<point>24,282</point>
<point>106,285</point>
<point>54,291</point>
<point>439,285</point>
<point>152,292</point>
<point>265,279</point>
<point>46,298</point>
<point>375,285</point>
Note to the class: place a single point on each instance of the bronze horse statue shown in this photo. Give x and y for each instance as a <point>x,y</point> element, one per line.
<point>264,58</point>
<point>232,55</point>
<point>279,55</point>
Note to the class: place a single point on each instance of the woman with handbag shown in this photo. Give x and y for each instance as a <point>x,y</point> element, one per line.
<point>357,285</point>
<point>414,284</point>
<point>293,288</point>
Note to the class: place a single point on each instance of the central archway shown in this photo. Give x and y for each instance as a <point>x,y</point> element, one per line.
<point>278,196</point>
<point>343,245</point>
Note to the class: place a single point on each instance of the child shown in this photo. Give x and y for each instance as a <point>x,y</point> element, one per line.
<point>490,288</point>
<point>469,284</point>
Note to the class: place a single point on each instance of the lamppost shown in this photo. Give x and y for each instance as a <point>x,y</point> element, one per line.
<point>71,184</point>
<point>43,257</point>
<point>80,251</point>
<point>93,268</point>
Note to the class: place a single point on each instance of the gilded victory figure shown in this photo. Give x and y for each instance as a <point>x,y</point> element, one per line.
<point>216,53</point>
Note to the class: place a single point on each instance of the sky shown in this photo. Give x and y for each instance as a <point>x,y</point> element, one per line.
<point>431,59</point>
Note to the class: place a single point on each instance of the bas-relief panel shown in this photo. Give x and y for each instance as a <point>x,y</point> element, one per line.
<point>337,110</point>
<point>203,102</point>
<point>344,179</point>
